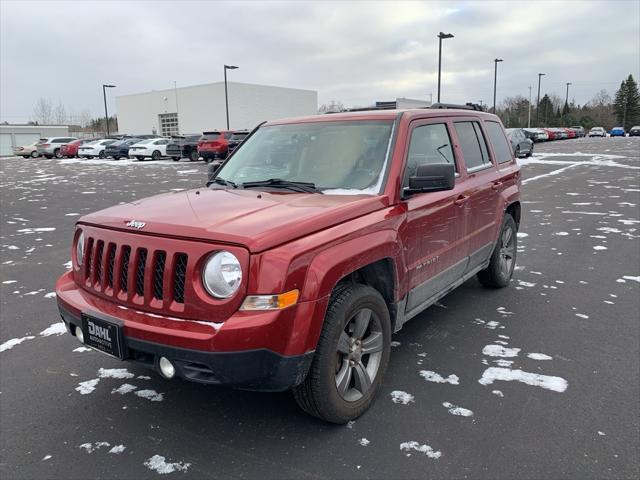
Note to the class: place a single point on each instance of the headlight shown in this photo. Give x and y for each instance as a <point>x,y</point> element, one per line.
<point>222,274</point>
<point>80,248</point>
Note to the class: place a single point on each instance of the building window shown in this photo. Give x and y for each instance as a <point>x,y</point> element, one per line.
<point>169,124</point>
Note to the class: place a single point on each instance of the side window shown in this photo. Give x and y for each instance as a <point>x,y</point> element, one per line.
<point>162,142</point>
<point>60,140</point>
<point>473,144</point>
<point>500,146</point>
<point>228,135</point>
<point>428,144</point>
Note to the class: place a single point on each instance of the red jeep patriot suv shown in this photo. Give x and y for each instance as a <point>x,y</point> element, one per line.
<point>315,240</point>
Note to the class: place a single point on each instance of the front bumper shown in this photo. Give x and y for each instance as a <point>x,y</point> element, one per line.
<point>242,352</point>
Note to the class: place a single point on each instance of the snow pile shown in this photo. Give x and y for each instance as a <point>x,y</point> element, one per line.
<point>85,388</point>
<point>150,395</point>
<point>55,329</point>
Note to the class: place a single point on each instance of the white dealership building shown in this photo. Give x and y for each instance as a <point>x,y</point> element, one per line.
<point>201,108</point>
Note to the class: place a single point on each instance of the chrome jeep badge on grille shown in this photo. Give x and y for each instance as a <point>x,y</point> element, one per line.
<point>135,224</point>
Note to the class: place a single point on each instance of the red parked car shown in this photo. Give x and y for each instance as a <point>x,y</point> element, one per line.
<point>551,133</point>
<point>70,150</point>
<point>571,133</point>
<point>214,145</point>
<point>316,240</point>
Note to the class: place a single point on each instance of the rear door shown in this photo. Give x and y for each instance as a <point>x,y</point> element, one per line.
<point>481,195</point>
<point>434,220</point>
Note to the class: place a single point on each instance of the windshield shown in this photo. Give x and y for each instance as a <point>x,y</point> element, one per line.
<point>337,157</point>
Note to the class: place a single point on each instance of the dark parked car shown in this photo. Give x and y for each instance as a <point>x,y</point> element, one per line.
<point>521,144</point>
<point>635,131</point>
<point>236,139</point>
<point>120,149</point>
<point>184,147</point>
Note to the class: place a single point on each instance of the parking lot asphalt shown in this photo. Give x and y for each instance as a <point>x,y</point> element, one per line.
<point>567,406</point>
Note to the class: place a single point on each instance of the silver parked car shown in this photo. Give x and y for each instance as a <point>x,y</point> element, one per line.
<point>521,144</point>
<point>50,147</point>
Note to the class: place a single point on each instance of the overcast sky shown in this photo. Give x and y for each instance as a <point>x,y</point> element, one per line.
<point>354,52</point>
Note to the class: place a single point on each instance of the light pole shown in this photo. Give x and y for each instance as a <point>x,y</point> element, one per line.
<point>540,75</point>
<point>566,101</point>
<point>441,35</point>
<point>104,96</point>
<point>495,81</point>
<point>529,119</point>
<point>226,97</point>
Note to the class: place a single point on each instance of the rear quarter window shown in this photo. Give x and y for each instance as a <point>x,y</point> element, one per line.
<point>473,145</point>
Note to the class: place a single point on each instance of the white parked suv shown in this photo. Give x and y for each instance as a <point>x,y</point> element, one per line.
<point>50,147</point>
<point>154,148</point>
<point>95,148</point>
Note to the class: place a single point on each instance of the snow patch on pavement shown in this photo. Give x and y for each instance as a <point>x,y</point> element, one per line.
<point>9,344</point>
<point>124,389</point>
<point>500,351</point>
<point>115,373</point>
<point>408,447</point>
<point>54,329</point>
<point>160,465</point>
<point>455,410</point>
<point>150,395</point>
<point>398,396</point>
<point>118,449</point>
<point>430,376</point>
<point>491,374</point>
<point>539,356</point>
<point>85,388</point>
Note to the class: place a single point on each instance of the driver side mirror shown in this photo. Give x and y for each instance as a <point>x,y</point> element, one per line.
<point>433,177</point>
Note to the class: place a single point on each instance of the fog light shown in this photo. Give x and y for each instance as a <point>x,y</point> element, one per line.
<point>166,368</point>
<point>79,335</point>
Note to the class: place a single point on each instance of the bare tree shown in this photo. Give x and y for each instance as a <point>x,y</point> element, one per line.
<point>43,111</point>
<point>85,118</point>
<point>332,107</point>
<point>60,114</point>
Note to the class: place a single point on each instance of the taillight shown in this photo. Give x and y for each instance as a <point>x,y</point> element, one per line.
<point>45,145</point>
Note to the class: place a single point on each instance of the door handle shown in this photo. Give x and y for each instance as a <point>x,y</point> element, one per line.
<point>496,185</point>
<point>461,200</point>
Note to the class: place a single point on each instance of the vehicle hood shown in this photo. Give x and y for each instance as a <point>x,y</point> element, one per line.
<point>255,219</point>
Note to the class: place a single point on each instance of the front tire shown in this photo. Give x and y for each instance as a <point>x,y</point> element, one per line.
<point>351,356</point>
<point>34,154</point>
<point>194,157</point>
<point>175,159</point>
<point>530,151</point>
<point>503,260</point>
<point>101,154</point>
<point>57,154</point>
<point>155,155</point>
<point>140,158</point>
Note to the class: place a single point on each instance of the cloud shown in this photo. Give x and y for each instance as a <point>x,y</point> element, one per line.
<point>355,52</point>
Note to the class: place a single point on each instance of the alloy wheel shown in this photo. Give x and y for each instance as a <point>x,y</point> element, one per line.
<point>507,251</point>
<point>359,355</point>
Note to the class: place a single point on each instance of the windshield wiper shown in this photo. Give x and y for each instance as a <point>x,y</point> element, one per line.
<point>305,187</point>
<point>226,183</point>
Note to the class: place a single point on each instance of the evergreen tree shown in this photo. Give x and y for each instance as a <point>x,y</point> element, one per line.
<point>626,104</point>
<point>546,111</point>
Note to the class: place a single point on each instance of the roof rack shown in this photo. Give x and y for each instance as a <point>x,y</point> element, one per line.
<point>466,106</point>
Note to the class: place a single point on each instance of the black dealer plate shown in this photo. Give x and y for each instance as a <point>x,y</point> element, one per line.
<point>102,335</point>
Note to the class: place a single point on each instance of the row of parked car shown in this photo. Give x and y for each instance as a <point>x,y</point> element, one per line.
<point>212,146</point>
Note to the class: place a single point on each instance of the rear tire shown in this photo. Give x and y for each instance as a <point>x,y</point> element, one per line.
<point>530,151</point>
<point>101,154</point>
<point>351,357</point>
<point>503,259</point>
<point>34,154</point>
<point>49,156</point>
<point>140,159</point>
<point>193,156</point>
<point>155,155</point>
<point>116,157</point>
<point>57,154</point>
<point>175,159</point>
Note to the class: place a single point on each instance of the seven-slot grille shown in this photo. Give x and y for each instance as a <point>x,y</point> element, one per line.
<point>127,272</point>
